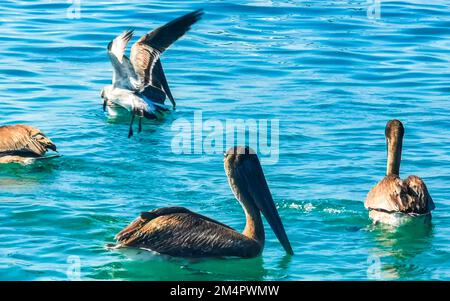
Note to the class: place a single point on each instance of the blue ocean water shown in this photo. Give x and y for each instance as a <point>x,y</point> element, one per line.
<point>332,72</point>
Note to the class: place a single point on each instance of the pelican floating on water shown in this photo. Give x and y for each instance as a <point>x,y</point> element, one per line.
<point>139,84</point>
<point>394,200</point>
<point>177,231</point>
<point>23,144</point>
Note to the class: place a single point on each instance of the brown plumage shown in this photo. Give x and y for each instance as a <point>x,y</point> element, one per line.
<point>177,231</point>
<point>392,194</point>
<point>170,231</point>
<point>22,143</point>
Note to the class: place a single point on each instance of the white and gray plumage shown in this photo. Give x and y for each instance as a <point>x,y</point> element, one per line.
<point>139,84</point>
<point>393,200</point>
<point>177,231</point>
<point>23,144</point>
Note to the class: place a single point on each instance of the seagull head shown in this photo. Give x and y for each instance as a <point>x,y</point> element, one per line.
<point>104,94</point>
<point>106,91</point>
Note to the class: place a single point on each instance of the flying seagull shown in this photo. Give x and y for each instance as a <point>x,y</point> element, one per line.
<point>23,144</point>
<point>139,84</point>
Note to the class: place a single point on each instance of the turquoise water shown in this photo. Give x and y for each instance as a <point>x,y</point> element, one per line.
<point>331,75</point>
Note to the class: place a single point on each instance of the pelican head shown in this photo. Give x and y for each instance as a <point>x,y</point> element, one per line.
<point>247,181</point>
<point>40,138</point>
<point>394,139</point>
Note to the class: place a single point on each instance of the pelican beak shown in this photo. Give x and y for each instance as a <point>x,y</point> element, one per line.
<point>250,171</point>
<point>52,147</point>
<point>49,144</point>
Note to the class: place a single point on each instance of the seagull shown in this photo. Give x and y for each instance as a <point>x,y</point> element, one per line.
<point>23,144</point>
<point>139,84</point>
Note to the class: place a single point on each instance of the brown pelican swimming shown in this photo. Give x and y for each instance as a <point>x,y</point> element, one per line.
<point>176,231</point>
<point>394,200</point>
<point>23,144</point>
<point>139,84</point>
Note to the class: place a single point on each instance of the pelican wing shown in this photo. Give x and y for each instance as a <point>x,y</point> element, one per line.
<point>176,231</point>
<point>392,194</point>
<point>18,140</point>
<point>123,71</point>
<point>418,192</point>
<point>147,50</point>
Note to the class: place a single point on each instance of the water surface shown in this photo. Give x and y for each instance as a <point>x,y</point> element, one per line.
<point>331,75</point>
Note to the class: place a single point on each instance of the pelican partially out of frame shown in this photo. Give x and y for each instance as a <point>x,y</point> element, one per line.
<point>179,232</point>
<point>394,200</point>
<point>139,84</point>
<point>23,144</point>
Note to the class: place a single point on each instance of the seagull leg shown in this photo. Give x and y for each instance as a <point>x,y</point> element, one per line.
<point>104,105</point>
<point>140,125</point>
<point>130,132</point>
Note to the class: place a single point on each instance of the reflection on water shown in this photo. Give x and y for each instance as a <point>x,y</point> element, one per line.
<point>142,264</point>
<point>232,268</point>
<point>397,248</point>
<point>18,175</point>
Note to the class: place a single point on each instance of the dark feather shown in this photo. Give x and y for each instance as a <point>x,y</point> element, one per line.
<point>176,231</point>
<point>146,51</point>
<point>159,80</point>
<point>154,94</point>
<point>164,36</point>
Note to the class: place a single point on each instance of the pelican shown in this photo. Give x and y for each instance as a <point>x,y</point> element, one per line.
<point>139,84</point>
<point>394,200</point>
<point>179,232</point>
<point>23,144</point>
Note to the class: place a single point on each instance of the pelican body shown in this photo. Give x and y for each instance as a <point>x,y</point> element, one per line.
<point>393,200</point>
<point>23,144</point>
<point>179,232</point>
<point>139,84</point>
